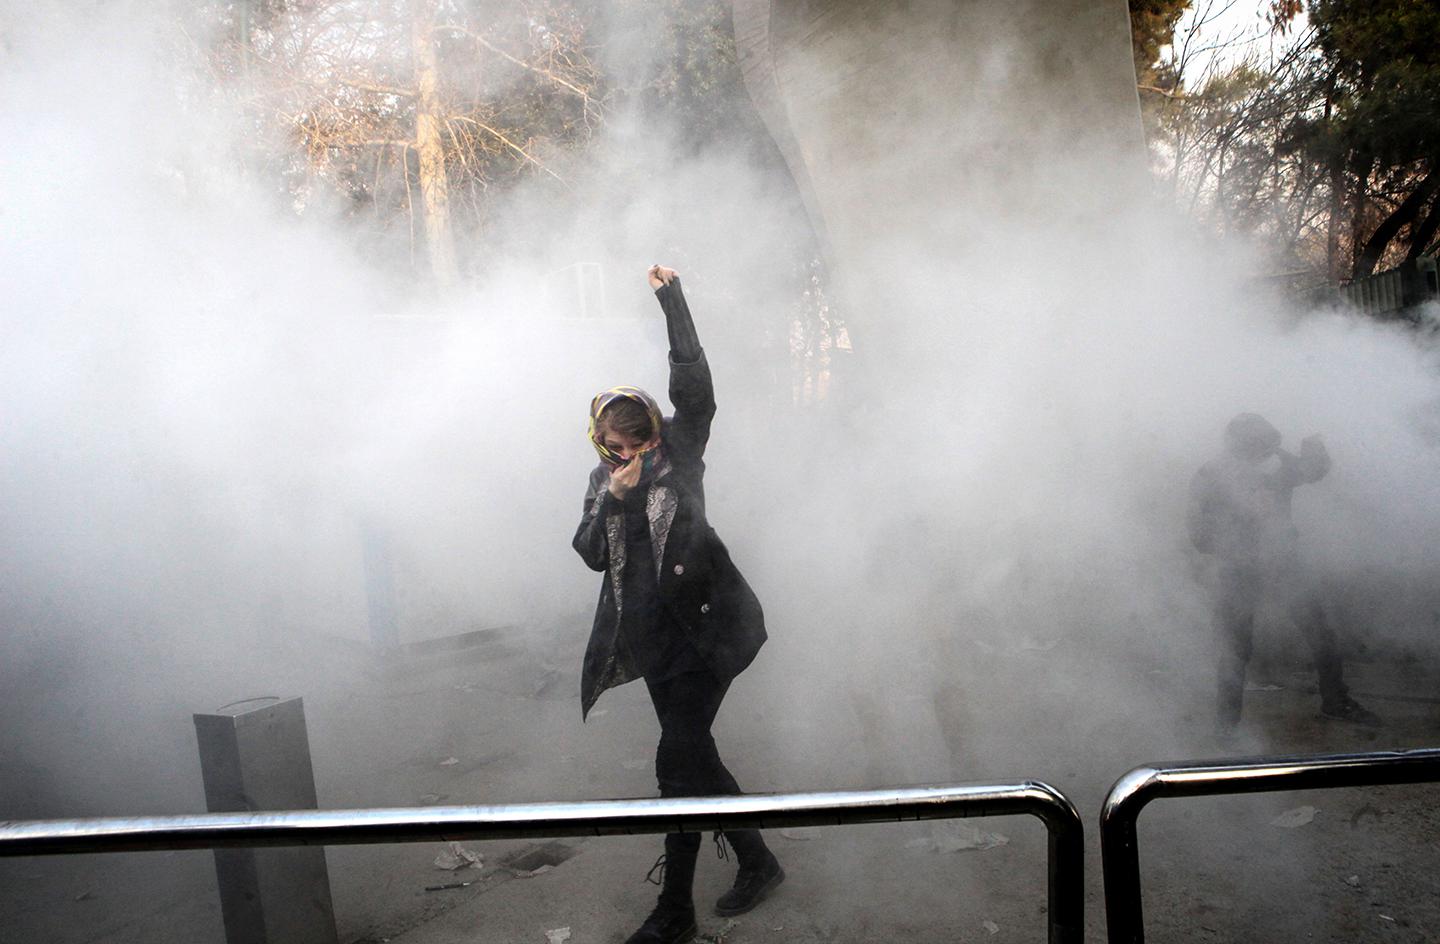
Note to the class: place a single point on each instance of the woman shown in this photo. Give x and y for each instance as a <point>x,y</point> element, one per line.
<point>673,608</point>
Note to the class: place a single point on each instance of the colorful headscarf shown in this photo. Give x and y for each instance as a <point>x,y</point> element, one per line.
<point>607,397</point>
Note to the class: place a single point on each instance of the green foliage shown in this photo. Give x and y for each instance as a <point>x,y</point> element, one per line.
<point>1386,59</point>
<point>1383,66</point>
<point>1325,152</point>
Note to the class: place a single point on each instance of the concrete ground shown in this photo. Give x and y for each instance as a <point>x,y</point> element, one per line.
<point>1360,869</point>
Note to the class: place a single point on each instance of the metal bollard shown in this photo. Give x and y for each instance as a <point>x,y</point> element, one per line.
<point>255,756</point>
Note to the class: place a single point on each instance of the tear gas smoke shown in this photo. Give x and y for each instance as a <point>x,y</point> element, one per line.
<point>207,401</point>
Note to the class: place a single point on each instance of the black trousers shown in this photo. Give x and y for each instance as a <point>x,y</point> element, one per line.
<point>687,763</point>
<point>1241,590</point>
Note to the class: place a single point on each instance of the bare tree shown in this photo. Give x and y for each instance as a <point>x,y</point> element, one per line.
<point>1226,146</point>
<point>1323,145</point>
<point>412,108</point>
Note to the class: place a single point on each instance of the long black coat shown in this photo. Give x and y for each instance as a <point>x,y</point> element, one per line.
<point>1240,511</point>
<point>701,590</point>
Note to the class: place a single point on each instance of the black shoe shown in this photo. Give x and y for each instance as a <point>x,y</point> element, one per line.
<point>667,924</point>
<point>1346,708</point>
<point>751,887</point>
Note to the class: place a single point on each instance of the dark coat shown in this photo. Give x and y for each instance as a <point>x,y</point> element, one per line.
<point>701,591</point>
<point>1240,510</point>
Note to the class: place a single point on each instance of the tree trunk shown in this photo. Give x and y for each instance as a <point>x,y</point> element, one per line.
<point>1424,234</point>
<point>1220,186</point>
<point>430,145</point>
<point>1337,194</point>
<point>1337,208</point>
<point>1360,175</point>
<point>1408,210</point>
<point>243,17</point>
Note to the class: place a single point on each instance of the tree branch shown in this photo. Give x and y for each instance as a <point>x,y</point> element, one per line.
<point>1424,234</point>
<point>371,87</point>
<point>508,143</point>
<point>1386,232</point>
<point>1178,96</point>
<point>519,62</point>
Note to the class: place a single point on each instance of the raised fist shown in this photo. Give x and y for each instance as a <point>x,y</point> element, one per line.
<point>659,275</point>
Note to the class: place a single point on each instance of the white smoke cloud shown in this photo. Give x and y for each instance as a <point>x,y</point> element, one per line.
<point>207,401</point>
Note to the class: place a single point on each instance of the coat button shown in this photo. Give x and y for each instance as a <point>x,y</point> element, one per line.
<point>704,608</point>
<point>679,569</point>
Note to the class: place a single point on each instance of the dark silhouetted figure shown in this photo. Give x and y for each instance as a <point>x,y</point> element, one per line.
<point>1240,513</point>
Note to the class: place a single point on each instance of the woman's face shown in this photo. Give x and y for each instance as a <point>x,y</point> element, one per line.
<point>627,447</point>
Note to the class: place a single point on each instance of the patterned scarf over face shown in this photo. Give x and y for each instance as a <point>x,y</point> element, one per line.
<point>607,397</point>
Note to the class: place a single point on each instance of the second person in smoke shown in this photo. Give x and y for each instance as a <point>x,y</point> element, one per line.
<point>673,610</point>
<point>1240,513</point>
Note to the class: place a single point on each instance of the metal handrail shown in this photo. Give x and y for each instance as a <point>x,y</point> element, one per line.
<point>1119,850</point>
<point>590,818</point>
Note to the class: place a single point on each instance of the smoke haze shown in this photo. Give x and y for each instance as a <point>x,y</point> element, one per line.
<point>972,558</point>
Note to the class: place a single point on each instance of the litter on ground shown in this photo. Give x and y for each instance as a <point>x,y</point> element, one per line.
<point>958,838</point>
<point>457,856</point>
<point>1300,816</point>
<point>716,937</point>
<point>447,886</point>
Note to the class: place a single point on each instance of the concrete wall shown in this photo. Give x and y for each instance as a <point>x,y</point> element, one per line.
<point>910,125</point>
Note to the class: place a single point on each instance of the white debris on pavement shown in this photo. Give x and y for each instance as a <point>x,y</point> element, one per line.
<point>716,937</point>
<point>1300,816</point>
<point>557,936</point>
<point>457,856</point>
<point>958,838</point>
<point>990,926</point>
<point>450,762</point>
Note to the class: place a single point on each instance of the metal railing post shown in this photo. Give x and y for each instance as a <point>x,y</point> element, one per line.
<point>1066,869</point>
<point>1119,848</point>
